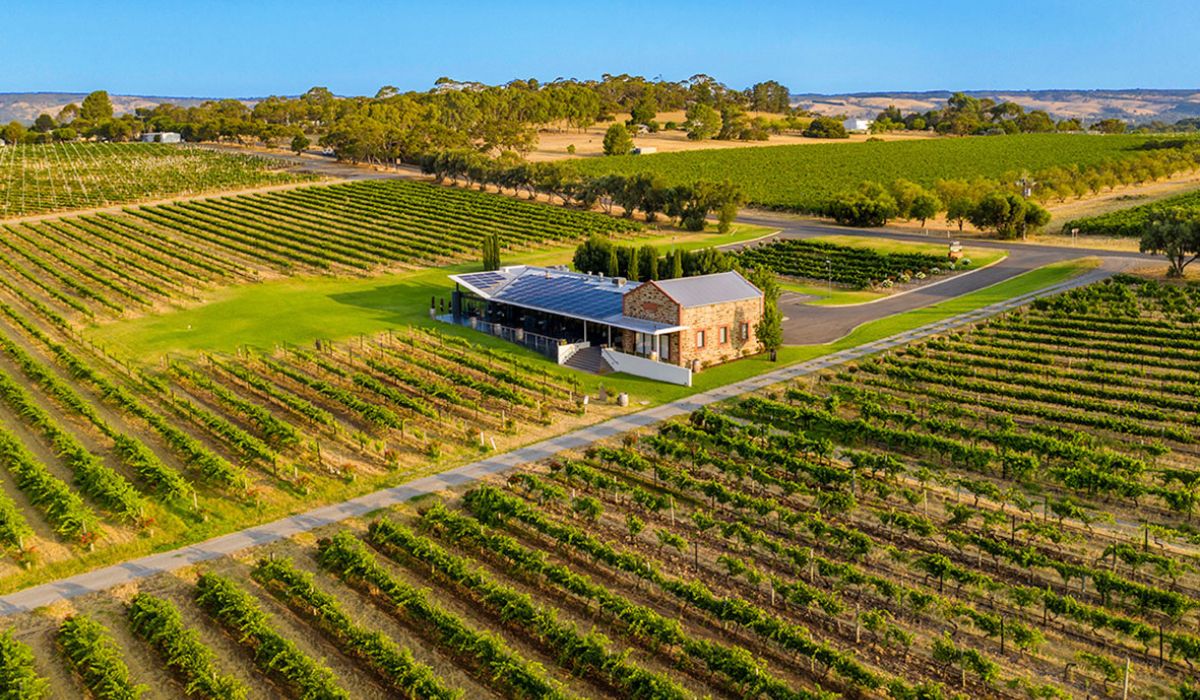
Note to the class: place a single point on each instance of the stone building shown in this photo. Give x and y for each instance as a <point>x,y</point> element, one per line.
<point>664,329</point>
<point>716,316</point>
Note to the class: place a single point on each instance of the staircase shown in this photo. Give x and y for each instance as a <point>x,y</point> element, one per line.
<point>589,360</point>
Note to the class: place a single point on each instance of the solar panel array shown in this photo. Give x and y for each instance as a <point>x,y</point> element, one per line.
<point>572,296</point>
<point>483,280</point>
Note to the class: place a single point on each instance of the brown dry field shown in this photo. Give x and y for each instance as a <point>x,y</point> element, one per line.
<point>552,144</point>
<point>1120,198</point>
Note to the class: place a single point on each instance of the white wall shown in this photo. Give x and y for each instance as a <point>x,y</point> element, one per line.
<point>642,367</point>
<point>566,350</point>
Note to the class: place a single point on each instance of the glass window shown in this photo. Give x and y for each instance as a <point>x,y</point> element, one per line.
<point>724,334</point>
<point>745,331</point>
<point>699,339</point>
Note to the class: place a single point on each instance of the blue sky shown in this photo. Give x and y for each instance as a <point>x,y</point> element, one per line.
<point>248,49</point>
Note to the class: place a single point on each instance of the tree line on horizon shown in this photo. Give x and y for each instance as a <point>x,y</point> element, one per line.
<point>964,115</point>
<point>394,126</point>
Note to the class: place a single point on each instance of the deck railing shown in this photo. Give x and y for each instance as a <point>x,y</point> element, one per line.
<point>543,344</point>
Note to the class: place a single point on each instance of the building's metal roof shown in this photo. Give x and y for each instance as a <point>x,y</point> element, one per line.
<point>557,291</point>
<point>703,290</point>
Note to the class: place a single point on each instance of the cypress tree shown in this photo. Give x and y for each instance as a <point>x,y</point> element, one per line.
<point>632,271</point>
<point>614,265</point>
<point>491,252</point>
<point>649,262</point>
<point>677,264</point>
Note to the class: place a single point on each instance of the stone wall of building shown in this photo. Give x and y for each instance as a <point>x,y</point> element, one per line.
<point>651,303</point>
<point>739,318</point>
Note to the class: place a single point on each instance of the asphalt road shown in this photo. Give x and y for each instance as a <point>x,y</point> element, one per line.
<point>138,569</point>
<point>806,324</point>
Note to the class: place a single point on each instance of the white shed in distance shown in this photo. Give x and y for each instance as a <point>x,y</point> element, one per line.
<point>161,137</point>
<point>857,124</point>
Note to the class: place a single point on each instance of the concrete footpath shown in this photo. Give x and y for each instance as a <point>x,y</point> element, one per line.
<point>152,565</point>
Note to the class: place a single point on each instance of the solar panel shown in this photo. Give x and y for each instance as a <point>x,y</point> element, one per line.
<point>568,295</point>
<point>482,280</point>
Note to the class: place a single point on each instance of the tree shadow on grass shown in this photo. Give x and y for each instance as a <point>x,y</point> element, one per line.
<point>403,302</point>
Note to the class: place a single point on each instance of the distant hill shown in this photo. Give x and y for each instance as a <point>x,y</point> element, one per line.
<point>26,106</point>
<point>1135,105</point>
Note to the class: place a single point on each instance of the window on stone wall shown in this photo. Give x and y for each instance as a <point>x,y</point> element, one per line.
<point>723,337</point>
<point>699,339</point>
<point>745,331</point>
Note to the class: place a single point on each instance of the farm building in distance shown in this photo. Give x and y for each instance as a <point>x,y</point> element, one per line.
<point>161,137</point>
<point>663,330</point>
<point>857,124</point>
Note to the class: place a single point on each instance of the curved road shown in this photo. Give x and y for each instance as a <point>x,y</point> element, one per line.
<point>807,324</point>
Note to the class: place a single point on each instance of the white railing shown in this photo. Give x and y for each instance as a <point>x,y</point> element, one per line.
<point>567,350</point>
<point>643,367</point>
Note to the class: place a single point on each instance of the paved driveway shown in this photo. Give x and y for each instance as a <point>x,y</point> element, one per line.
<point>807,324</point>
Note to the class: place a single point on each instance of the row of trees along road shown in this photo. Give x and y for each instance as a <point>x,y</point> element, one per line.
<point>999,205</point>
<point>649,194</point>
<point>986,204</point>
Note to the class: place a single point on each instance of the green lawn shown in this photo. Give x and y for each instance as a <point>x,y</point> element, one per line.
<point>739,233</point>
<point>979,256</point>
<point>838,297</point>
<point>298,310</point>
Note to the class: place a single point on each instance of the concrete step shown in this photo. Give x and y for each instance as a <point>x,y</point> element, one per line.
<point>589,360</point>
